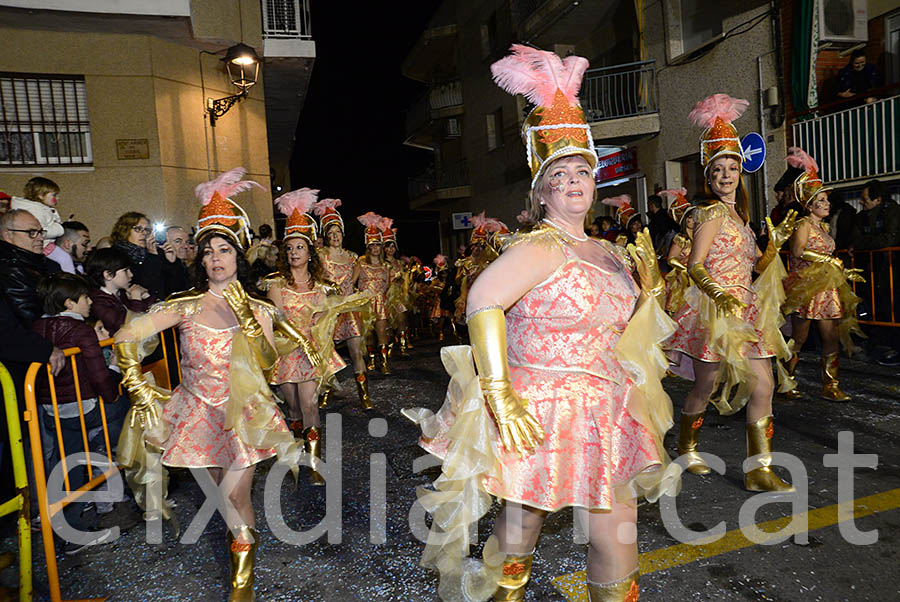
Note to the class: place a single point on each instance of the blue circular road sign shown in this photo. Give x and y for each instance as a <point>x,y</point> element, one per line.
<point>754,149</point>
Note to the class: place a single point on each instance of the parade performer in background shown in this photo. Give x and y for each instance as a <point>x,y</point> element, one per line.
<point>373,276</point>
<point>817,286</point>
<point>398,295</point>
<point>677,280</point>
<point>441,291</point>
<point>339,267</point>
<point>482,253</point>
<point>729,324</point>
<point>624,213</point>
<point>566,409</point>
<point>299,290</point>
<point>222,416</point>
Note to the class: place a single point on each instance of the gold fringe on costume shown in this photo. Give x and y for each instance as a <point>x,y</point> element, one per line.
<point>322,332</point>
<point>819,277</point>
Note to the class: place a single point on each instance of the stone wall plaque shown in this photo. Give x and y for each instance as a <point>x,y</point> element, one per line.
<point>132,148</point>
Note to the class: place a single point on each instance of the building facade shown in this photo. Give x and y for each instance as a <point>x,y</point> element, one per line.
<point>115,102</point>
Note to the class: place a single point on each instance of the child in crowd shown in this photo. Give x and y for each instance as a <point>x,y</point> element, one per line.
<point>112,294</point>
<point>41,196</point>
<point>66,306</point>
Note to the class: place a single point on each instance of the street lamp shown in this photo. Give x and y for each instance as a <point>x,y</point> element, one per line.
<point>242,65</point>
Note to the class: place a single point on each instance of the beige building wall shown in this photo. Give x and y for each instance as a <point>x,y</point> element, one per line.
<point>143,87</point>
<point>731,68</point>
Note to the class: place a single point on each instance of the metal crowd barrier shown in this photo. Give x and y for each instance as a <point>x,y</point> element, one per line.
<point>95,476</point>
<point>20,502</point>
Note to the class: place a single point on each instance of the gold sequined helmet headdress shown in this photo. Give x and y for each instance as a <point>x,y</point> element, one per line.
<point>296,205</point>
<point>328,214</point>
<point>219,213</point>
<point>624,210</point>
<point>372,223</point>
<point>556,127</point>
<point>388,232</point>
<point>720,138</point>
<point>678,202</point>
<point>808,184</point>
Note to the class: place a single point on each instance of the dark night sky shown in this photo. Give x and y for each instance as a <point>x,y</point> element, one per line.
<point>350,133</point>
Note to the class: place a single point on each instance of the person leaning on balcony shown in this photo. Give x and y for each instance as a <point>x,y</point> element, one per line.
<point>730,324</point>
<point>817,287</point>
<point>566,409</point>
<point>858,77</point>
<point>877,227</point>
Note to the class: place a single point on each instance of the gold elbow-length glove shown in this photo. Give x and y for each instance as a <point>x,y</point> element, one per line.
<point>239,302</point>
<point>644,256</point>
<point>143,395</point>
<point>726,303</point>
<point>778,235</point>
<point>677,265</point>
<point>853,274</point>
<point>519,431</point>
<point>286,327</point>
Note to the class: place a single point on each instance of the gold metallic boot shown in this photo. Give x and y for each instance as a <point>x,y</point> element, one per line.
<point>385,353</point>
<point>405,341</point>
<point>830,390</point>
<point>370,364</point>
<point>791,368</point>
<point>516,573</point>
<point>243,557</point>
<point>362,387</point>
<point>624,590</point>
<point>324,398</point>
<point>688,437</point>
<point>759,444</point>
<point>455,332</point>
<point>313,437</point>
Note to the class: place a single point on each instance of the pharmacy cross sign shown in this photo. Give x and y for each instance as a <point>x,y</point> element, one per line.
<point>462,221</point>
<point>753,149</point>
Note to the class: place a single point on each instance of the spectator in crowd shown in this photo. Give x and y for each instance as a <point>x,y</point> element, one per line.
<point>635,225</point>
<point>112,292</point>
<point>608,228</point>
<point>4,202</point>
<point>191,251</point>
<point>265,234</point>
<point>662,227</point>
<point>66,305</point>
<point>266,260</point>
<point>593,229</point>
<point>22,263</point>
<point>72,247</point>
<point>841,220</point>
<point>858,77</point>
<point>784,199</point>
<point>154,271</point>
<point>178,238</point>
<point>41,197</point>
<point>103,243</point>
<point>878,226</point>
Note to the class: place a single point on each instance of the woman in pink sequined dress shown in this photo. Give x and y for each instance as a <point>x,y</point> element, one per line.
<point>567,350</point>
<point>373,276</point>
<point>729,323</point>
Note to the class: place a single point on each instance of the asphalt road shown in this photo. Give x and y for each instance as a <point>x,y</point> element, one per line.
<point>357,561</point>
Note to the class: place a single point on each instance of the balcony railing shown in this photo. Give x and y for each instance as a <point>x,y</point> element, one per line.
<point>455,175</point>
<point>620,91</point>
<point>436,98</point>
<point>287,19</point>
<point>858,143</point>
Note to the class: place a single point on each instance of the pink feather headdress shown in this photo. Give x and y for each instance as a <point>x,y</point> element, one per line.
<point>440,260</point>
<point>323,205</point>
<point>524,217</point>
<point>478,221</point>
<point>623,200</point>
<point>797,157</point>
<point>538,74</point>
<point>370,219</point>
<point>717,106</point>
<point>226,184</point>
<point>300,200</point>
<point>673,193</point>
<point>492,224</point>
<point>386,223</point>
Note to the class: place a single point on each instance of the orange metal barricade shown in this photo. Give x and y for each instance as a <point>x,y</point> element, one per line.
<point>95,476</point>
<point>20,502</point>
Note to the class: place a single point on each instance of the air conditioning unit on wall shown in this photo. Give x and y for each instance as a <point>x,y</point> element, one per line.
<point>843,21</point>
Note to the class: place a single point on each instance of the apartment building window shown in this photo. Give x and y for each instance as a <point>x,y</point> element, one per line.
<point>494,123</point>
<point>693,23</point>
<point>489,37</point>
<point>44,120</point>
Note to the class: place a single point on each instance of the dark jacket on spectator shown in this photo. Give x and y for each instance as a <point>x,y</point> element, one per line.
<point>660,225</point>
<point>879,227</point>
<point>112,310</point>
<point>20,273</point>
<point>153,272</point>
<point>844,215</point>
<point>94,379</point>
<point>19,347</point>
<point>178,278</point>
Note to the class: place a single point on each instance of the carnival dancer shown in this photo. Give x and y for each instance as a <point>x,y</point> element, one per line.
<point>570,411</point>
<point>339,267</point>
<point>817,286</point>
<point>729,324</point>
<point>398,295</point>
<point>222,416</point>
<point>482,253</point>
<point>624,213</point>
<point>441,292</point>
<point>373,276</point>
<point>677,280</point>
<point>313,305</point>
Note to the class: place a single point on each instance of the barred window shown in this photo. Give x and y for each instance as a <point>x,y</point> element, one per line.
<point>44,120</point>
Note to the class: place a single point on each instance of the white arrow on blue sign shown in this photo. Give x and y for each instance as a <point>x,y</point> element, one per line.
<point>462,221</point>
<point>754,150</point>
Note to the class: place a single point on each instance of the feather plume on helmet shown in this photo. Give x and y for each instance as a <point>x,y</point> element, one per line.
<point>678,202</point>
<point>218,213</point>
<point>808,184</point>
<point>372,223</point>
<point>296,206</point>
<point>719,138</point>
<point>328,214</point>
<point>624,210</point>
